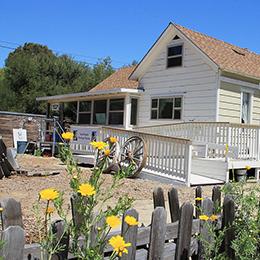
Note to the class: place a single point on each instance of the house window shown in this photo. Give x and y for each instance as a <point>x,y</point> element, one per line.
<point>174,56</point>
<point>116,111</point>
<point>133,120</point>
<point>245,108</point>
<point>166,108</point>
<point>84,112</point>
<point>100,112</point>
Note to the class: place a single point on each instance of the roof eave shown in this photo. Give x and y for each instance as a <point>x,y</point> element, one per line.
<point>89,94</point>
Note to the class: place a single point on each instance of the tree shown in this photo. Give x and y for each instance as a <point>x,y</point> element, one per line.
<point>33,70</point>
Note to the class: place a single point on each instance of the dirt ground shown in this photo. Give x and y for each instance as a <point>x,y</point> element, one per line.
<point>26,189</point>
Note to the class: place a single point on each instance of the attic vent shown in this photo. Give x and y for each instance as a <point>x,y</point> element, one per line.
<point>239,52</point>
<point>176,37</point>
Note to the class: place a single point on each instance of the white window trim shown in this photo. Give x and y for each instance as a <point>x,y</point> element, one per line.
<point>250,104</point>
<point>157,108</point>
<point>115,111</point>
<point>174,44</point>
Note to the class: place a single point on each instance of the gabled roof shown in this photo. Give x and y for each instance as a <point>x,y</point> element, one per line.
<point>225,56</point>
<point>119,79</point>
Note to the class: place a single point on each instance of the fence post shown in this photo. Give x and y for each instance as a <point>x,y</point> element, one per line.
<point>58,229</point>
<point>14,240</point>
<point>130,235</point>
<point>187,162</point>
<point>158,197</point>
<point>207,209</point>
<point>227,223</point>
<point>174,204</point>
<point>157,235</point>
<point>184,232</point>
<point>216,198</point>
<point>198,194</point>
<point>12,213</point>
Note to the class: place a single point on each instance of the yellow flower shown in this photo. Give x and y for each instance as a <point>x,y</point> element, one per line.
<point>99,145</point>
<point>119,245</point>
<point>198,199</point>
<point>112,139</point>
<point>85,189</point>
<point>107,152</point>
<point>75,177</point>
<point>67,136</point>
<point>113,221</point>
<point>213,217</point>
<point>1,209</point>
<point>49,194</point>
<point>49,210</point>
<point>131,221</point>
<point>204,217</point>
<point>227,149</point>
<point>248,167</point>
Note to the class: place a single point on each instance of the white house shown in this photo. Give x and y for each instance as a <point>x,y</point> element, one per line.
<point>209,87</point>
<point>185,76</point>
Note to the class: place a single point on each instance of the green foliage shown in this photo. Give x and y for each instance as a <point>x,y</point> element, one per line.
<point>33,70</point>
<point>247,219</point>
<point>91,203</point>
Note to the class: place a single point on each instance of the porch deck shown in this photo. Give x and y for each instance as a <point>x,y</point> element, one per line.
<point>191,153</point>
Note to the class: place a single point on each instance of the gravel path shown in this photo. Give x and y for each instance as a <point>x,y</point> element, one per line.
<point>25,189</point>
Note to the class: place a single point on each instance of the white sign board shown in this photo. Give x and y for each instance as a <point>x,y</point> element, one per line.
<point>19,135</point>
<point>84,135</point>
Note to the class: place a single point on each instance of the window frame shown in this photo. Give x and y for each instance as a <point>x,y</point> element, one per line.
<point>85,112</point>
<point>175,44</point>
<point>115,111</point>
<point>173,107</point>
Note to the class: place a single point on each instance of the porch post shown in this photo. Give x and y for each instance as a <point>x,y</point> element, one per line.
<point>127,112</point>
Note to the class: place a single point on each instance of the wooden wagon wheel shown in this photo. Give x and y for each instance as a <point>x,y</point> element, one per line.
<point>113,155</point>
<point>134,153</point>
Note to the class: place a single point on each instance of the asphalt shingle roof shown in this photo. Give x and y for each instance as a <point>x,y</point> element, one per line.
<point>227,56</point>
<point>118,79</point>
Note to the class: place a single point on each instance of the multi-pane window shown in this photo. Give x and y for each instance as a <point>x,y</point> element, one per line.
<point>116,111</point>
<point>166,108</point>
<point>84,112</point>
<point>174,56</point>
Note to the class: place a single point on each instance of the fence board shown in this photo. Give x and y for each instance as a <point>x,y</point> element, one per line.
<point>130,235</point>
<point>12,213</point>
<point>157,235</point>
<point>158,197</point>
<point>184,232</point>
<point>174,204</point>
<point>14,240</point>
<point>227,222</point>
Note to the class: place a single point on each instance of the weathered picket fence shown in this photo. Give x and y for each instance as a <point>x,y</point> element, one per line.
<point>160,240</point>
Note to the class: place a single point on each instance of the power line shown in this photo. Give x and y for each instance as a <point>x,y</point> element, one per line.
<point>80,61</point>
<point>71,54</point>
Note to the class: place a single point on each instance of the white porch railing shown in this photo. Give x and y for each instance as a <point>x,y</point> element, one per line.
<point>242,140</point>
<point>166,156</point>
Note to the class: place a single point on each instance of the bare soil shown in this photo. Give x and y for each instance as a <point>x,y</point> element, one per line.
<point>26,189</point>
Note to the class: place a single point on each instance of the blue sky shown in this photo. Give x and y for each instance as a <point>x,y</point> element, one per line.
<point>123,30</point>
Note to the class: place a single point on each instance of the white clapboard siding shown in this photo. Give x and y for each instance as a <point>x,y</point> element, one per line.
<point>196,81</point>
<point>229,102</point>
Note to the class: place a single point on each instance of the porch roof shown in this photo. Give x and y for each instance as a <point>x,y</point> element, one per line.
<point>82,95</point>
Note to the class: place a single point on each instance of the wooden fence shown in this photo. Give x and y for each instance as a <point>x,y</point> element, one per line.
<point>161,240</point>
